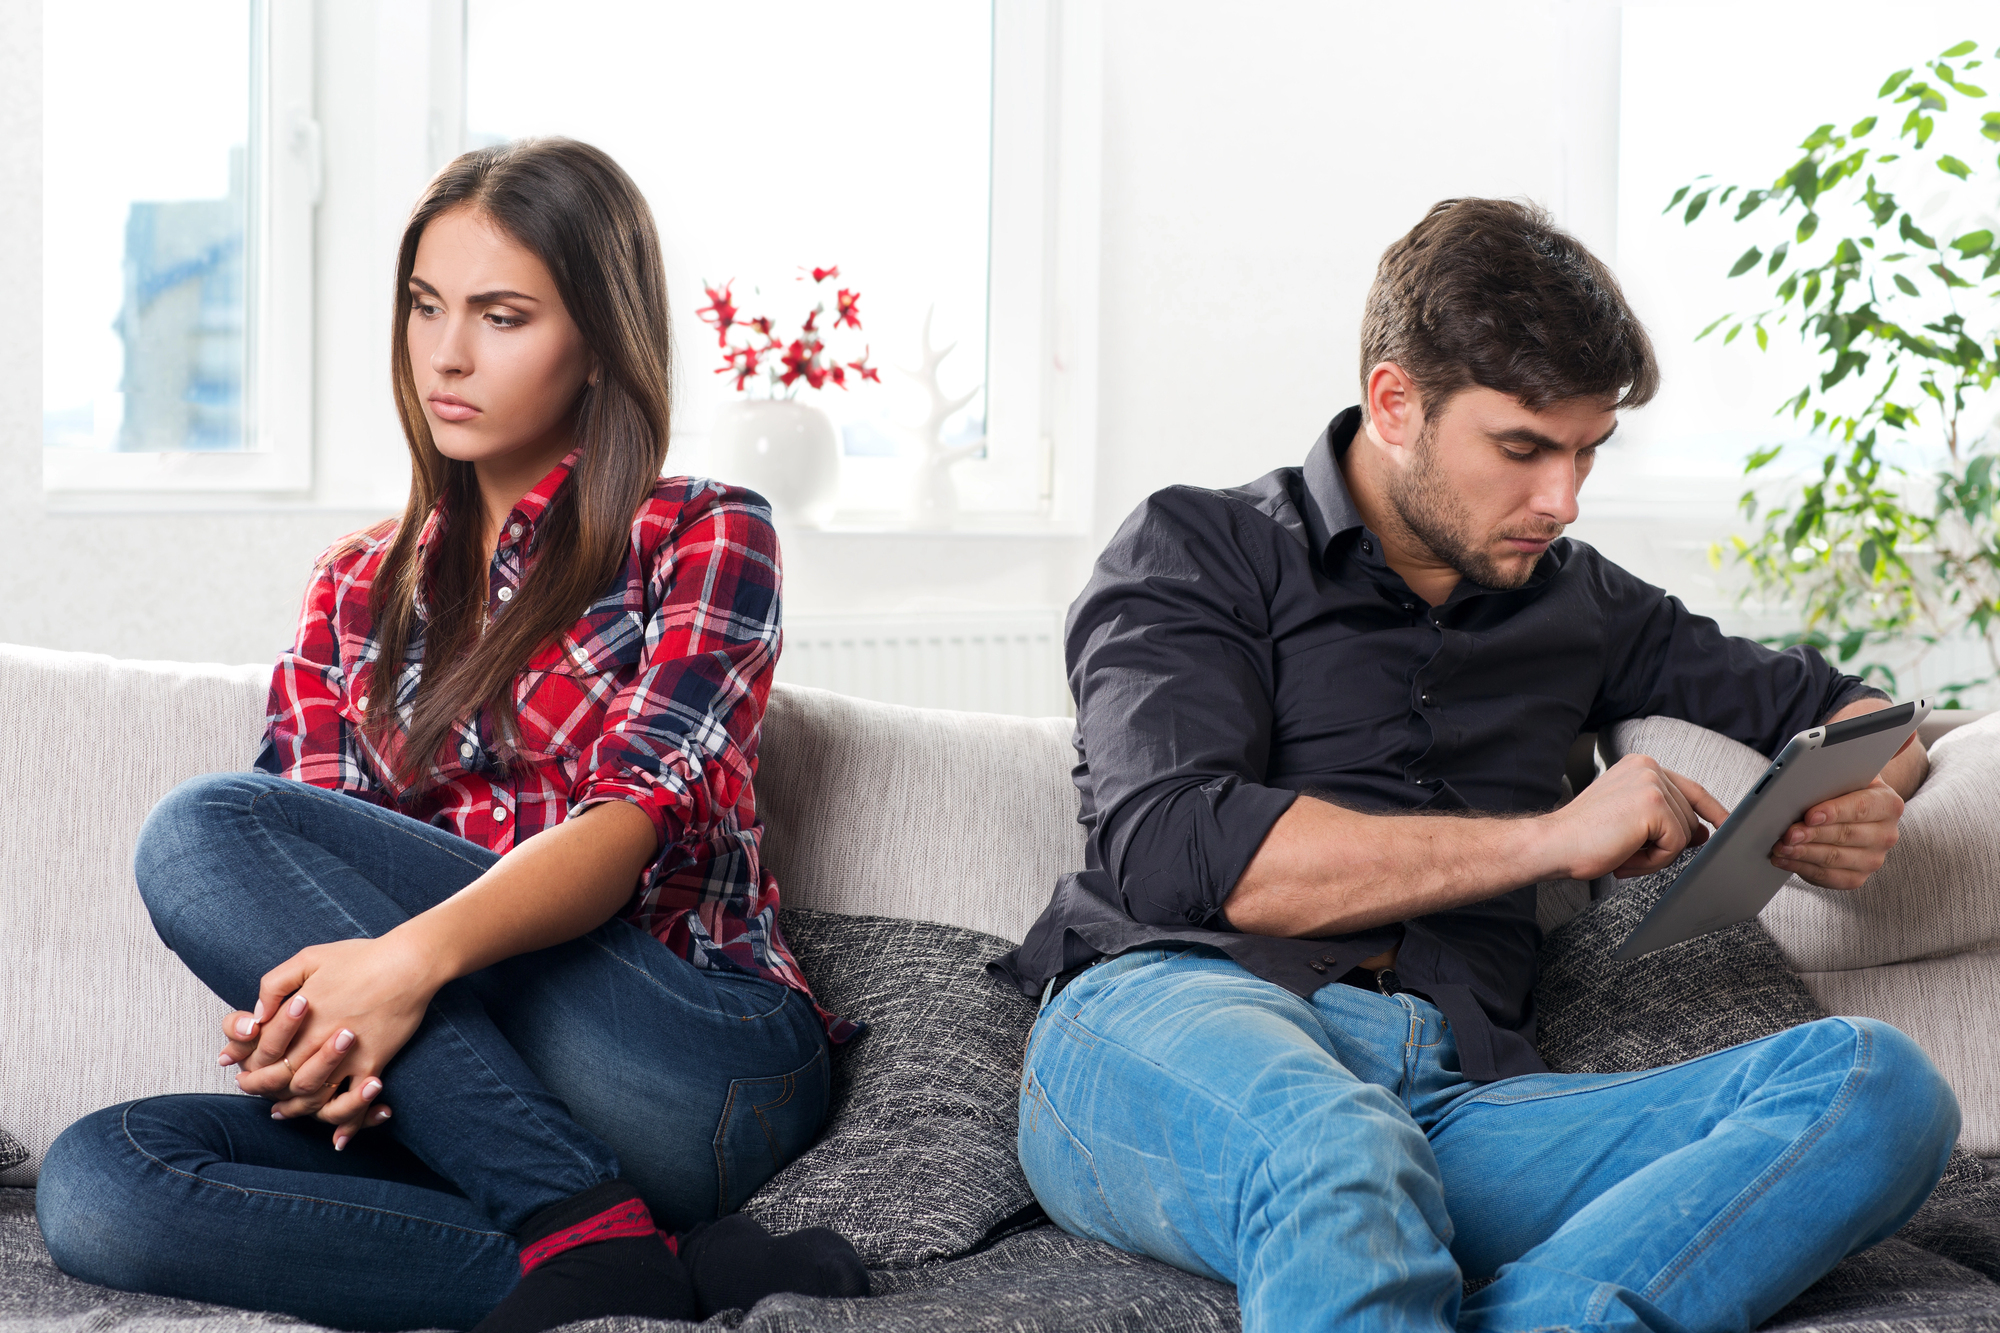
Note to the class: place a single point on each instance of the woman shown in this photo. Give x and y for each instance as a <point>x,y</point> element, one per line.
<point>593,1037</point>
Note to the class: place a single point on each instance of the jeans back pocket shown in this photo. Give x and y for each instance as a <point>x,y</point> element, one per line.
<point>766,1122</point>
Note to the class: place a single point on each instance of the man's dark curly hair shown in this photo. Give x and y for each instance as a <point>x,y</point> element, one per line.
<point>1491,292</point>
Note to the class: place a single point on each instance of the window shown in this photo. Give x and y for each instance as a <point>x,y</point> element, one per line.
<point>177,246</point>
<point>917,145</point>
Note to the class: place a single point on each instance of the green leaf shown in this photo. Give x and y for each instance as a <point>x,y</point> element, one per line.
<point>1911,232</point>
<point>1951,166</point>
<point>1696,204</point>
<point>1750,260</point>
<point>1730,336</point>
<point>1909,288</point>
<point>1962,49</point>
<point>1989,125</point>
<point>1950,279</point>
<point>1812,291</point>
<point>1763,339</point>
<point>1895,81</point>
<point>1970,89</point>
<point>1679,195</point>
<point>1710,329</point>
<point>1973,243</point>
<point>1807,226</point>
<point>1778,258</point>
<point>1762,456</point>
<point>1861,127</point>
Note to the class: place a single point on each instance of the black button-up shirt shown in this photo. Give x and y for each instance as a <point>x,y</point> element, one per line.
<point>1235,648</point>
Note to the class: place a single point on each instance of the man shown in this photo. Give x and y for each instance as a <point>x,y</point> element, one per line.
<point>1286,1040</point>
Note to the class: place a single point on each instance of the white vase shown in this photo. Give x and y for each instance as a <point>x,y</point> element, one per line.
<point>786,451</point>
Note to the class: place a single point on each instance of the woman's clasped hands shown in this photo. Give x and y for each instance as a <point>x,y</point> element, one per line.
<point>327,1022</point>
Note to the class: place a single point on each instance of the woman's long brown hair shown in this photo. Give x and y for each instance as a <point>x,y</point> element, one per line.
<point>577,211</point>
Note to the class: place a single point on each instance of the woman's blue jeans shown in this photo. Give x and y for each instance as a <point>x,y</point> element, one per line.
<point>607,1057</point>
<point>1327,1158</point>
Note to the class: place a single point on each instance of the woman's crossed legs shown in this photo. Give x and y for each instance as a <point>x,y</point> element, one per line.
<point>543,1076</point>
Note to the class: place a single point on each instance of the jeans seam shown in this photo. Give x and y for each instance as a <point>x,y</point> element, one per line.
<point>1771,1174</point>
<point>126,1130</point>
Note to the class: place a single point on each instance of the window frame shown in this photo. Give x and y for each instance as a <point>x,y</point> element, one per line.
<point>285,174</point>
<point>1042,258</point>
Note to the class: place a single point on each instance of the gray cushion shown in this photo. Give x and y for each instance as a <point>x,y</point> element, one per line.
<point>917,1161</point>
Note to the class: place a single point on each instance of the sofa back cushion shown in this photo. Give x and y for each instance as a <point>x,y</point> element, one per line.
<point>96,1009</point>
<point>964,818</point>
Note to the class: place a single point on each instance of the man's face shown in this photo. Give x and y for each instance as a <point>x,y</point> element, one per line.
<point>1490,484</point>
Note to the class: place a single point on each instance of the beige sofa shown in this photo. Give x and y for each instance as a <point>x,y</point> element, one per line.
<point>954,817</point>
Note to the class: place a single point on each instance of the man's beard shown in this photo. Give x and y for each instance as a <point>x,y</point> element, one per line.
<point>1434,513</point>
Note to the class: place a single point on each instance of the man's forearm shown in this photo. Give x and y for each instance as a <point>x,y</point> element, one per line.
<point>1911,765</point>
<point>1325,870</point>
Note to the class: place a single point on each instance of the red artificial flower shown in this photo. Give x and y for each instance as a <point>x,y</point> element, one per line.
<point>798,361</point>
<point>812,322</point>
<point>822,274</point>
<point>762,325</point>
<point>863,369</point>
<point>742,362</point>
<point>720,311</point>
<point>835,373</point>
<point>847,313</point>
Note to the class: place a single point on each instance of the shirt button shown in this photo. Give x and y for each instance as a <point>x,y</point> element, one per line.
<point>582,658</point>
<point>505,594</point>
<point>514,531</point>
<point>499,814</point>
<point>1430,701</point>
<point>465,750</point>
<point>1409,606</point>
<point>1368,548</point>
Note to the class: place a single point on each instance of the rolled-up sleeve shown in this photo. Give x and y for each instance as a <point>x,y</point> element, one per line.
<point>1170,661</point>
<point>678,739</point>
<point>307,737</point>
<point>1668,660</point>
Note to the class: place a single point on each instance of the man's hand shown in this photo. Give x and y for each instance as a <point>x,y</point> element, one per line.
<point>1634,819</point>
<point>1839,843</point>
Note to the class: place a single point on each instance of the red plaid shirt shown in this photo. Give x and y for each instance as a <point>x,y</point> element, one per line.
<point>655,697</point>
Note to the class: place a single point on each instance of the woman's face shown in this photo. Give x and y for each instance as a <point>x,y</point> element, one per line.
<point>493,352</point>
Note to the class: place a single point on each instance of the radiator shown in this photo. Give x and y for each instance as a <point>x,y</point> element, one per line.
<point>984,662</point>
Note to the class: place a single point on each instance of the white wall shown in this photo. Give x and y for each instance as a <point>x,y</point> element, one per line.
<point>1257,159</point>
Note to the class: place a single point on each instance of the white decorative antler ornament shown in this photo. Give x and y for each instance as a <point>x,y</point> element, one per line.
<point>933,499</point>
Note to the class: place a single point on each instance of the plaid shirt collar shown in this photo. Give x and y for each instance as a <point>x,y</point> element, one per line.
<point>521,519</point>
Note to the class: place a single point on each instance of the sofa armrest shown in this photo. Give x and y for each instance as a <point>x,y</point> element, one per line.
<point>1937,895</point>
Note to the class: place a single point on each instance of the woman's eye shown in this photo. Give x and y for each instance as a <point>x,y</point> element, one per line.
<point>424,308</point>
<point>506,321</point>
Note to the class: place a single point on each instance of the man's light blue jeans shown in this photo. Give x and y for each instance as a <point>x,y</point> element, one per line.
<point>1327,1158</point>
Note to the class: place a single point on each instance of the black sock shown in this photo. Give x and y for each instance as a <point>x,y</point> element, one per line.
<point>591,1255</point>
<point>734,1263</point>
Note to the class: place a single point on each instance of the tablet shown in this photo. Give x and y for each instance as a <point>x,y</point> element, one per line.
<point>1731,877</point>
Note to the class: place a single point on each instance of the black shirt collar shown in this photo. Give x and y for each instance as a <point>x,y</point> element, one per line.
<point>1329,509</point>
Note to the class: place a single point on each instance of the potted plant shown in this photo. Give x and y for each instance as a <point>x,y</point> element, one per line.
<point>766,439</point>
<point>1906,328</point>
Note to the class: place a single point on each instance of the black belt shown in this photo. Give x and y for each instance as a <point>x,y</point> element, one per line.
<point>1385,981</point>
